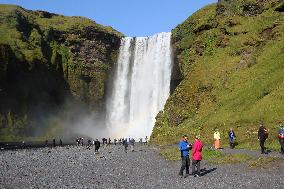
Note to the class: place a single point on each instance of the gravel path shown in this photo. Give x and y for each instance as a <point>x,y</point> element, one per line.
<point>78,167</point>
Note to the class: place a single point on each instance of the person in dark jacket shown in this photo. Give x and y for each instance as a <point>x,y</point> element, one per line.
<point>184,149</point>
<point>125,144</point>
<point>281,138</point>
<point>53,142</point>
<point>131,143</point>
<point>262,136</point>
<point>97,145</point>
<point>232,138</point>
<point>89,144</point>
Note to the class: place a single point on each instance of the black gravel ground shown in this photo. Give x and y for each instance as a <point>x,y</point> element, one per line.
<point>78,167</point>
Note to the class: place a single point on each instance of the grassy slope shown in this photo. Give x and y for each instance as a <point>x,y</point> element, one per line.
<point>25,30</point>
<point>233,76</point>
<point>40,41</point>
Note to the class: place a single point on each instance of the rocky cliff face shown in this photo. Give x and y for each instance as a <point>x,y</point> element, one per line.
<point>47,60</point>
<point>230,56</point>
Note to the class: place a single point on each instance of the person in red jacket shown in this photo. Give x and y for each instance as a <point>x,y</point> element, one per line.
<point>196,156</point>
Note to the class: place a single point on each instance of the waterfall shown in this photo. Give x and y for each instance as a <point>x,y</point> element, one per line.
<point>141,85</point>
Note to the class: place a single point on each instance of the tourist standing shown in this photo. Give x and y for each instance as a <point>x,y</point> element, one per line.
<point>97,145</point>
<point>104,140</point>
<point>109,141</point>
<point>146,140</point>
<point>232,138</point>
<point>184,149</point>
<point>281,138</point>
<point>89,144</point>
<point>53,142</point>
<point>125,144</point>
<point>262,136</point>
<point>23,144</point>
<point>217,139</point>
<point>196,156</point>
<point>131,143</point>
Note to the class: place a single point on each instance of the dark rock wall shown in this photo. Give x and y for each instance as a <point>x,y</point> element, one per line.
<point>48,62</point>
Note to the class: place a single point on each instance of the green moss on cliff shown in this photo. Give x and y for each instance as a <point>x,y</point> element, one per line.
<point>232,64</point>
<point>45,59</point>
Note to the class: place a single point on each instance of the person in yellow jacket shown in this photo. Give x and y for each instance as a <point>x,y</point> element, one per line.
<point>217,139</point>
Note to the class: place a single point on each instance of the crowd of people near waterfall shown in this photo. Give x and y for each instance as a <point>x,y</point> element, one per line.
<point>88,143</point>
<point>262,136</point>
<point>125,142</point>
<point>197,146</point>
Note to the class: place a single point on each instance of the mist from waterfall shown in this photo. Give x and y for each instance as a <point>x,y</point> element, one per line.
<point>141,85</point>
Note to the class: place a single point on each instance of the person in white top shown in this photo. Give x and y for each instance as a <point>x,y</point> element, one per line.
<point>217,139</point>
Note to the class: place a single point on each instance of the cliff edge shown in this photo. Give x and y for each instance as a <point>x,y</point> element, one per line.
<point>48,62</point>
<point>231,59</point>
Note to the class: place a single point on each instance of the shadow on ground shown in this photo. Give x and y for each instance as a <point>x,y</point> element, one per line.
<point>205,171</point>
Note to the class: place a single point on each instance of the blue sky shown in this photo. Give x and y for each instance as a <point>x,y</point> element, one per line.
<point>131,17</point>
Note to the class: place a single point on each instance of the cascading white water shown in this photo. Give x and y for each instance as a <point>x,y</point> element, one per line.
<point>141,85</point>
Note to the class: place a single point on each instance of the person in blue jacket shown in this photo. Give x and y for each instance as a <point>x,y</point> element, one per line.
<point>232,138</point>
<point>281,139</point>
<point>184,147</point>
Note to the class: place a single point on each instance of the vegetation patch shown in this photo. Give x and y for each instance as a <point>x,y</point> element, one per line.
<point>232,75</point>
<point>230,159</point>
<point>262,162</point>
<point>209,155</point>
<point>171,153</point>
<point>48,58</point>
